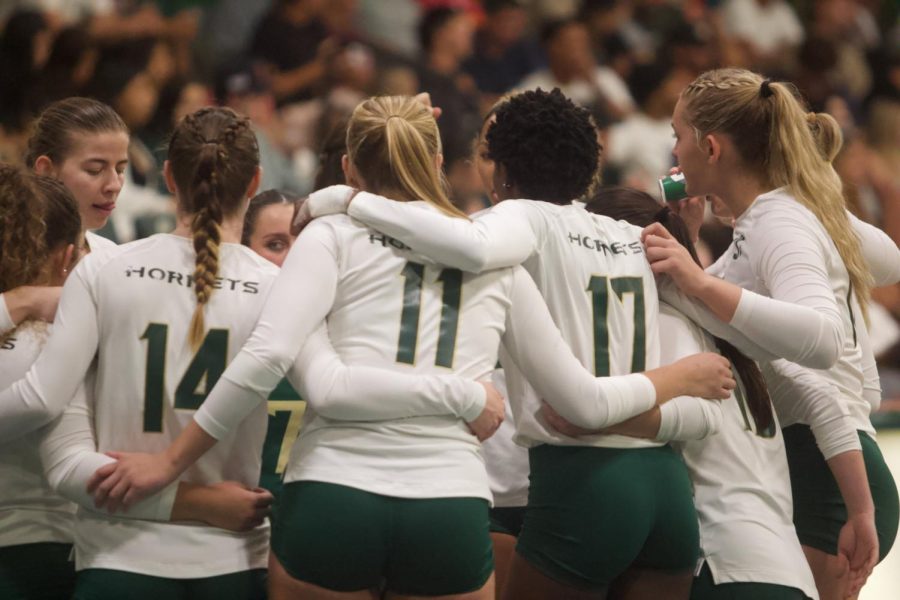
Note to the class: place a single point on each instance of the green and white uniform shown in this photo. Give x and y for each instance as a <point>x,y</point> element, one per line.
<point>131,309</point>
<point>35,522</point>
<point>387,306</point>
<point>798,305</point>
<point>740,477</point>
<point>593,274</point>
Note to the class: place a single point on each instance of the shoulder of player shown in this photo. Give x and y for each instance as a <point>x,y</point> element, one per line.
<point>251,259</point>
<point>779,216</point>
<point>777,206</point>
<point>679,336</point>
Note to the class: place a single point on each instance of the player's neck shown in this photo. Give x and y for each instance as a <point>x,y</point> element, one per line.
<point>231,228</point>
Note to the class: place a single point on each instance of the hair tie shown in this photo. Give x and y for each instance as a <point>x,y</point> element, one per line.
<point>389,117</point>
<point>765,88</point>
<point>662,214</point>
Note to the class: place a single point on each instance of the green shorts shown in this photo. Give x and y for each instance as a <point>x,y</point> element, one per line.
<point>40,571</point>
<point>507,519</point>
<point>345,539</point>
<point>819,510</point>
<point>704,588</point>
<point>593,512</point>
<point>108,584</point>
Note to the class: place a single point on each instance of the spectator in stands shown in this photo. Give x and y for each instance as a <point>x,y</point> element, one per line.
<point>503,54</point>
<point>640,146</point>
<point>247,90</point>
<point>24,46</point>
<point>68,69</point>
<point>293,42</point>
<point>446,35</point>
<point>769,29</point>
<point>574,70</point>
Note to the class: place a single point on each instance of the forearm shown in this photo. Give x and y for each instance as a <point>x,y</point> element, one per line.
<point>849,470</point>
<point>298,302</point>
<point>69,457</point>
<point>698,313</point>
<point>536,346</point>
<point>800,395</point>
<point>645,425</point>
<point>501,237</point>
<point>359,393</point>
<point>688,418</point>
<point>53,380</point>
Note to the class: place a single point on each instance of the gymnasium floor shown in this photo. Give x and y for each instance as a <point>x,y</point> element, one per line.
<point>885,581</point>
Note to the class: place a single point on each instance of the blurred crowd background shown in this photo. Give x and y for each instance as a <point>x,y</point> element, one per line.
<point>298,67</point>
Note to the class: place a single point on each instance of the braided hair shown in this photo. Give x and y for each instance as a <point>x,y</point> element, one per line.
<point>213,156</point>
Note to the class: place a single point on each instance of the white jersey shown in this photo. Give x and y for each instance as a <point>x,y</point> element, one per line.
<point>30,512</point>
<point>100,246</point>
<point>506,462</point>
<point>388,307</point>
<point>133,309</point>
<point>393,307</point>
<point>591,271</point>
<point>741,483</point>
<point>754,262</point>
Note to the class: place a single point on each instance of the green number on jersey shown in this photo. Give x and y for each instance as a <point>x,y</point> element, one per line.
<point>414,273</point>
<point>599,290</point>
<point>285,416</point>
<point>207,366</point>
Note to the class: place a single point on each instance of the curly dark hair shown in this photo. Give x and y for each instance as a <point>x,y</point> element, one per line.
<point>547,145</point>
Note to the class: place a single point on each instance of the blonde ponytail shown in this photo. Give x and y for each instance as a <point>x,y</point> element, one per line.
<point>785,146</point>
<point>393,142</point>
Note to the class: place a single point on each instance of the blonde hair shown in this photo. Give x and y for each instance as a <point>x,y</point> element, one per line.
<point>392,142</point>
<point>213,156</point>
<point>785,145</point>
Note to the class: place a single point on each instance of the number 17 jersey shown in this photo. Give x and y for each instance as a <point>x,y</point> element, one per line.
<point>594,276</point>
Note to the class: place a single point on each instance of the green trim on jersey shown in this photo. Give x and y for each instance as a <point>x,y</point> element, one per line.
<point>819,509</point>
<point>593,512</point>
<point>345,539</point>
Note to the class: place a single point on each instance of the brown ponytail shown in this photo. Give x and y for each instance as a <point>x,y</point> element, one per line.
<point>639,208</point>
<point>213,156</point>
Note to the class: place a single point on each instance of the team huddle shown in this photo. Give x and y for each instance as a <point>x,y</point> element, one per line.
<point>550,399</point>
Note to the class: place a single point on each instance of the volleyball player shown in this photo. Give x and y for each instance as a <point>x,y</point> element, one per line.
<point>112,307</point>
<point>740,475</point>
<point>84,144</point>
<point>414,490</point>
<point>747,140</point>
<point>594,276</point>
<point>40,239</point>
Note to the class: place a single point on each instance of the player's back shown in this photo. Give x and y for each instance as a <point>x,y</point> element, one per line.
<point>397,310</point>
<point>593,274</point>
<point>741,482</point>
<point>30,511</point>
<point>149,383</point>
